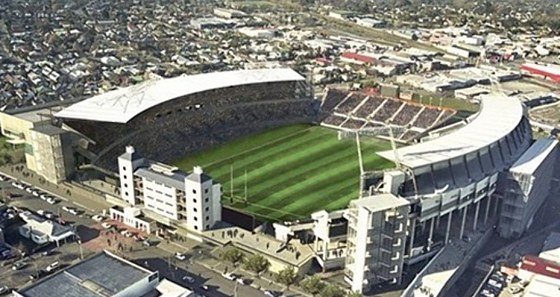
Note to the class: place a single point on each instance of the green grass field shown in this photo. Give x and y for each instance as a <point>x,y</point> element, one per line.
<point>291,171</point>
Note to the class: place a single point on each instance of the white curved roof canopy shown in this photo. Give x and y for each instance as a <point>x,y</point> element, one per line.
<point>120,106</point>
<point>499,116</point>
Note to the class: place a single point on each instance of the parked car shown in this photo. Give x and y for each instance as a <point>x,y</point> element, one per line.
<point>97,218</point>
<point>41,212</point>
<point>188,279</point>
<point>19,265</point>
<point>18,185</point>
<point>51,200</point>
<point>29,190</point>
<point>52,267</point>
<point>70,209</point>
<point>37,275</point>
<point>106,225</point>
<point>241,281</point>
<point>48,252</point>
<point>35,193</point>
<point>269,293</point>
<point>229,276</point>
<point>44,196</point>
<point>180,256</point>
<point>4,290</point>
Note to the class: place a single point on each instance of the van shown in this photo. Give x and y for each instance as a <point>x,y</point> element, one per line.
<point>52,267</point>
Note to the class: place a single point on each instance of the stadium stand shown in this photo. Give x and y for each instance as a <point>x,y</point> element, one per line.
<point>389,108</point>
<point>353,124</point>
<point>350,103</point>
<point>406,114</point>
<point>378,111</point>
<point>368,107</point>
<point>185,124</point>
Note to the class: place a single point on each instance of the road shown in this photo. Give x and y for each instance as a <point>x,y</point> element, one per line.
<point>155,257</point>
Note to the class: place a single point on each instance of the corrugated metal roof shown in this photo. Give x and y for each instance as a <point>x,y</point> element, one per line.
<point>120,106</point>
<point>499,116</point>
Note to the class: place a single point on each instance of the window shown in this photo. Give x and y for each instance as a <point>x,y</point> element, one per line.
<point>196,218</point>
<point>206,200</point>
<point>207,209</point>
<point>126,185</point>
<point>123,168</point>
<point>126,193</point>
<point>207,218</point>
<point>195,210</point>
<point>207,226</point>
<point>124,176</point>
<point>194,191</point>
<point>194,200</point>
<point>195,227</point>
<point>205,190</point>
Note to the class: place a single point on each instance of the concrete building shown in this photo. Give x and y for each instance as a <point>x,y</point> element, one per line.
<point>527,186</point>
<point>376,240</point>
<point>547,71</point>
<point>132,217</point>
<point>103,275</point>
<point>53,153</point>
<point>191,200</point>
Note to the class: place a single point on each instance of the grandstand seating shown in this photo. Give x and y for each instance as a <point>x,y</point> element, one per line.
<point>406,114</point>
<point>198,121</point>
<point>350,103</point>
<point>369,106</point>
<point>389,108</point>
<point>377,111</point>
<point>353,124</point>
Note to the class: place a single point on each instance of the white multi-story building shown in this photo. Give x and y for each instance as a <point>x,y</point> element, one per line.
<point>191,200</point>
<point>376,240</point>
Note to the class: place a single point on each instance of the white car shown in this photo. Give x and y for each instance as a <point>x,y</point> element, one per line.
<point>41,212</point>
<point>18,185</point>
<point>52,267</point>
<point>70,209</point>
<point>188,279</point>
<point>29,190</point>
<point>106,225</point>
<point>229,276</point>
<point>51,200</point>
<point>35,193</point>
<point>49,215</point>
<point>97,218</point>
<point>44,196</point>
<point>269,293</point>
<point>180,256</point>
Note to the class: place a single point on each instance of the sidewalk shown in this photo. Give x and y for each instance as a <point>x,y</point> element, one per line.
<point>91,202</point>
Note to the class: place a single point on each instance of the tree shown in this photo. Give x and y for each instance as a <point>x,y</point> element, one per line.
<point>312,285</point>
<point>354,294</point>
<point>256,264</point>
<point>332,290</point>
<point>232,255</point>
<point>287,277</point>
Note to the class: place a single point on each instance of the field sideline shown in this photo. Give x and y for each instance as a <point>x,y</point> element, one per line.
<point>291,171</point>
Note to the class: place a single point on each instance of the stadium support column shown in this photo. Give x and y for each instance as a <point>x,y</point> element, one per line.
<point>431,234</point>
<point>487,210</point>
<point>449,219</point>
<point>463,221</point>
<point>496,205</point>
<point>476,210</point>
<point>412,231</point>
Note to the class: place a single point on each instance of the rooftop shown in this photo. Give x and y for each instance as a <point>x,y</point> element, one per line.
<point>530,161</point>
<point>175,179</point>
<point>121,105</point>
<point>102,275</point>
<point>547,68</point>
<point>48,130</point>
<point>498,116</point>
<point>542,286</point>
<point>379,202</point>
<point>551,248</point>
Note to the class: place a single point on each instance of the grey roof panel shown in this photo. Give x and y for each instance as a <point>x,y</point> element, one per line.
<point>177,180</point>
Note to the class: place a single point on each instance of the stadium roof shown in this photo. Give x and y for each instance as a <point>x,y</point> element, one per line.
<point>99,276</point>
<point>121,105</point>
<point>498,116</point>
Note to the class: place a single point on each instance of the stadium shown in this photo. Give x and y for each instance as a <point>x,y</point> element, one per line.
<point>257,131</point>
